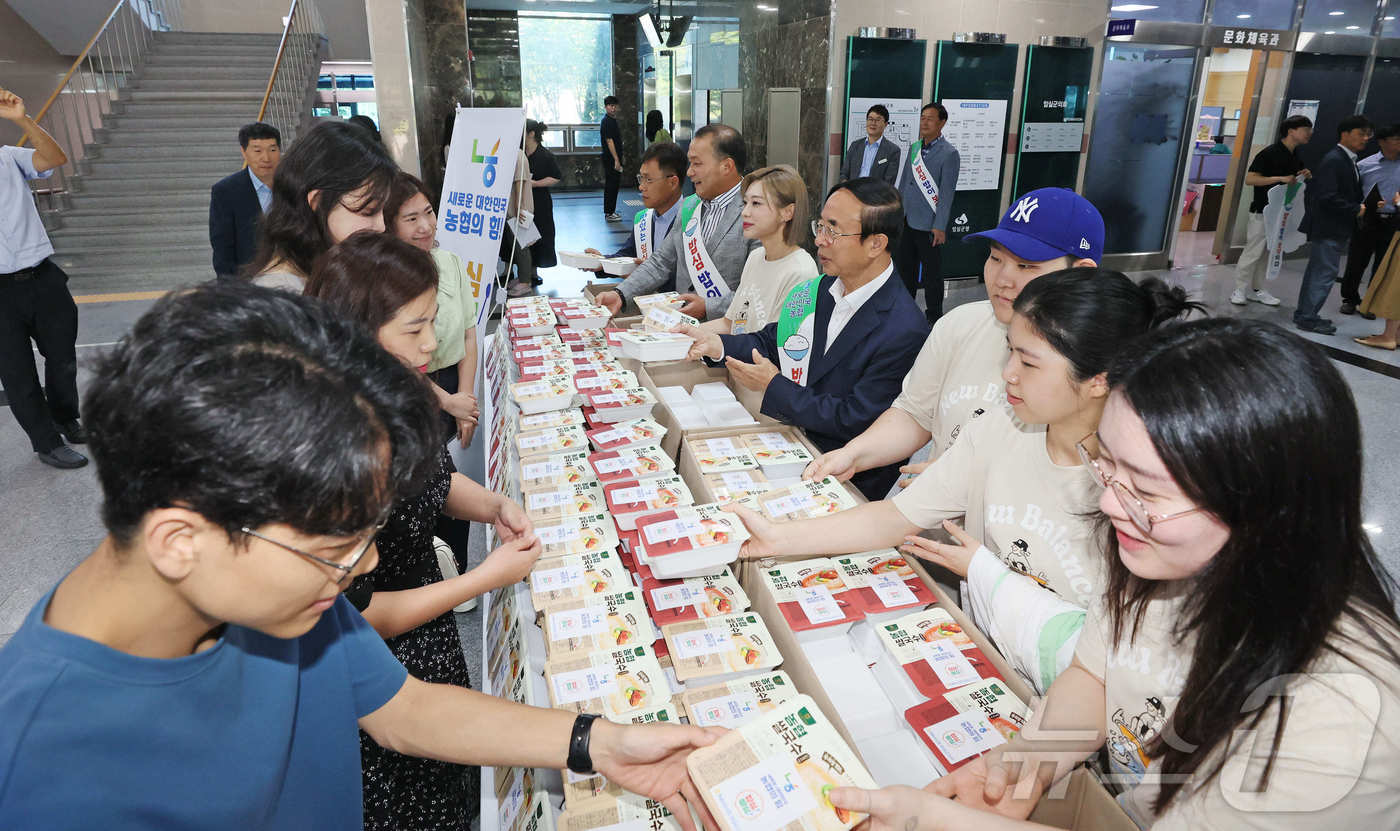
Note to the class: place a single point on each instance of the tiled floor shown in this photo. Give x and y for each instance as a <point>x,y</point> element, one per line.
<point>49,518</point>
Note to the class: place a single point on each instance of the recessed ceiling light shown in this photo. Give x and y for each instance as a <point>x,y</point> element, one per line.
<point>1336,14</point>
<point>1244,16</point>
<point>1353,27</point>
<point>1131,7</point>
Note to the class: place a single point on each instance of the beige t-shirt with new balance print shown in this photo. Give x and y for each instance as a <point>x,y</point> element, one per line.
<point>1338,763</point>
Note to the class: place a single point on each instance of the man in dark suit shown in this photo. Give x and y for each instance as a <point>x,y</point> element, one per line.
<point>874,155</point>
<point>1333,203</point>
<point>837,355</point>
<point>237,200</point>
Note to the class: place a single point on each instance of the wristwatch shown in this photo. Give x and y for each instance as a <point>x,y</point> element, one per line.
<point>580,761</point>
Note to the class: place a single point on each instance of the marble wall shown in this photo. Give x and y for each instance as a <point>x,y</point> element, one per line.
<point>788,47</point>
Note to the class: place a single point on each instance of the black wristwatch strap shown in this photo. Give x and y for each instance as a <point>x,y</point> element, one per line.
<point>580,761</point>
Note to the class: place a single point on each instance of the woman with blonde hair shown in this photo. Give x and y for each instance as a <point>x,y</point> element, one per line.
<point>775,214</point>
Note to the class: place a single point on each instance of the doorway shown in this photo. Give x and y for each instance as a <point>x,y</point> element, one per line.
<point>1235,118</point>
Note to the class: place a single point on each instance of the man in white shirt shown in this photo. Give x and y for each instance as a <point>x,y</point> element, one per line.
<point>35,305</point>
<point>835,357</point>
<point>957,375</point>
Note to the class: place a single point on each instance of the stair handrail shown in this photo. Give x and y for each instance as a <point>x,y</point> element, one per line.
<point>75,111</point>
<point>299,52</point>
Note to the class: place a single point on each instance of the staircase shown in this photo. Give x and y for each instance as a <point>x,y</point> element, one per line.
<point>139,216</point>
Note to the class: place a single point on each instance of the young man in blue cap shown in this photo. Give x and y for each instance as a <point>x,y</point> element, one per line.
<point>957,375</point>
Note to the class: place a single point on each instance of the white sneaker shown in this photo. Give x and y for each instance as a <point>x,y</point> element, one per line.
<point>1237,297</point>
<point>447,564</point>
<point>1262,296</point>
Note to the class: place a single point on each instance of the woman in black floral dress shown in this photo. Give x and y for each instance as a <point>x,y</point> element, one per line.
<point>391,287</point>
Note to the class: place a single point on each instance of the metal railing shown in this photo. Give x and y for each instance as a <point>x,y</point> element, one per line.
<point>291,87</point>
<point>76,111</point>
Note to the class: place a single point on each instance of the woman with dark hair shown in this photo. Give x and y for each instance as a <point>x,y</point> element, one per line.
<point>656,128</point>
<point>330,184</point>
<point>544,174</point>
<point>1243,660</point>
<point>409,215</point>
<point>390,287</point>
<point>1025,492</point>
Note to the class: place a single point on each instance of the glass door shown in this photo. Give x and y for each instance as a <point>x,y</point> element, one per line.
<point>1265,109</point>
<point>1146,96</point>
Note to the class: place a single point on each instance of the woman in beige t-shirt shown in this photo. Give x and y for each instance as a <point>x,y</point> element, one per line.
<point>1026,496</point>
<point>1239,578</point>
<point>775,214</point>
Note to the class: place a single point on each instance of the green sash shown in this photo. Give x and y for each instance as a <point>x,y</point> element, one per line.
<point>795,320</point>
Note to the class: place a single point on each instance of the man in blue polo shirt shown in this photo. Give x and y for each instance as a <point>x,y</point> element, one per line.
<point>200,668</point>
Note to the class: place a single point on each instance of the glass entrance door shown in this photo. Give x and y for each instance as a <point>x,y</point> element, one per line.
<point>1146,95</point>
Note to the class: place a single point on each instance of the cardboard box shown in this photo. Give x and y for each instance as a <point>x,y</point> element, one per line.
<point>688,374</point>
<point>1080,803</point>
<point>689,467</point>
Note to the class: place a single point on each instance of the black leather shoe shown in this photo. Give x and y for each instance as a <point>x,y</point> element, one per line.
<point>1366,316</point>
<point>63,457</point>
<point>73,432</point>
<point>1347,308</point>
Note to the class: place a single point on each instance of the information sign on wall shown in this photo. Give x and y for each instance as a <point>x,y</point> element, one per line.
<point>977,128</point>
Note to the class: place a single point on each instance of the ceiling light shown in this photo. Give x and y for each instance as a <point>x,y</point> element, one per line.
<point>1131,7</point>
<point>1336,14</point>
<point>1243,16</point>
<point>1353,27</point>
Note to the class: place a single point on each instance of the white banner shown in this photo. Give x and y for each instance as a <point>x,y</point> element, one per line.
<point>475,193</point>
<point>471,219</point>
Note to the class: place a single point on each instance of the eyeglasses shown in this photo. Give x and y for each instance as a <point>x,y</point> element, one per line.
<point>648,180</point>
<point>1132,505</point>
<point>346,567</point>
<point>821,229</point>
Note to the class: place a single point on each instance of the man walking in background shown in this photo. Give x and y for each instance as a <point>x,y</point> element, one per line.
<point>926,186</point>
<point>239,199</point>
<point>34,301</point>
<point>610,134</point>
<point>1277,164</point>
<point>1334,203</point>
<point>874,156</point>
<point>1380,181</point>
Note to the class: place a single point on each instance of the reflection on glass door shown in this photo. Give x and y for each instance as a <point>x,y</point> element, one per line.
<point>1268,114</point>
<point>1139,124</point>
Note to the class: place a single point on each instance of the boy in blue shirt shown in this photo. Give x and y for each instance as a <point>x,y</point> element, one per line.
<point>200,669</point>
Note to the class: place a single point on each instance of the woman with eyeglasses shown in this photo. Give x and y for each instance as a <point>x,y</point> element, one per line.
<point>1026,495</point>
<point>391,287</point>
<point>1242,668</point>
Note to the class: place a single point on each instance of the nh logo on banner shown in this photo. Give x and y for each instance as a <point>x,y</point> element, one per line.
<point>1024,209</point>
<point>488,176</point>
<point>475,198</point>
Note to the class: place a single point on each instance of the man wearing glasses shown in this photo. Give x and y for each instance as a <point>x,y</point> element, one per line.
<point>873,155</point>
<point>663,165</point>
<point>836,356</point>
<point>200,669</point>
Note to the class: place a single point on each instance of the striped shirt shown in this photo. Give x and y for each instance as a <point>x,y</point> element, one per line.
<point>710,211</point>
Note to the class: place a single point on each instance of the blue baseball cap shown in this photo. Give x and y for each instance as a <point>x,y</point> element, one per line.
<point>1049,223</point>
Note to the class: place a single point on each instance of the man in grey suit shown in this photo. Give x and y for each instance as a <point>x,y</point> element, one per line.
<point>874,156</point>
<point>706,259</point>
<point>927,186</point>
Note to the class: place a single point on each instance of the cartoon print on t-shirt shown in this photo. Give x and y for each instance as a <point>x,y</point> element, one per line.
<point>957,428</point>
<point>1127,744</point>
<point>1019,560</point>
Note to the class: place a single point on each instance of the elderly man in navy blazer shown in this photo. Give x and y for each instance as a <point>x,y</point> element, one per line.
<point>237,200</point>
<point>874,155</point>
<point>838,353</point>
